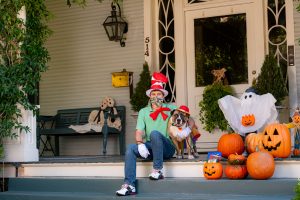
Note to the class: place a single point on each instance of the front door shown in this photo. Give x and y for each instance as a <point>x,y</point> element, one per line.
<point>216,37</point>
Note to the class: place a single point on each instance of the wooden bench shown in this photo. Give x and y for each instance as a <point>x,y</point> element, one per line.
<point>59,126</point>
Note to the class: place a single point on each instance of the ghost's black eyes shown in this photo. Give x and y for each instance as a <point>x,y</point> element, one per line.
<point>250,96</point>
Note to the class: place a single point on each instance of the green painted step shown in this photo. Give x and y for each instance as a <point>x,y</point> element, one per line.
<point>148,196</point>
<point>169,188</point>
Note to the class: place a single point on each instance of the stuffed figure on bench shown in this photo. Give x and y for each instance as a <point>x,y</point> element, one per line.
<point>96,118</point>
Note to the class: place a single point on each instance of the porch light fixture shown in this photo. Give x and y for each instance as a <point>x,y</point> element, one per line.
<point>115,26</point>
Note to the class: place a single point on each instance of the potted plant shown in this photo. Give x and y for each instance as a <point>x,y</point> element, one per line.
<point>270,80</point>
<point>211,115</point>
<point>139,98</point>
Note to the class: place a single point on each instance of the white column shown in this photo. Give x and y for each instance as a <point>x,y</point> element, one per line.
<point>180,54</point>
<point>148,35</point>
<point>23,148</point>
<point>291,69</point>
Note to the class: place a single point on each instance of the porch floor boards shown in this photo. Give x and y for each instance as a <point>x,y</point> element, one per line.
<point>118,159</point>
<point>107,159</point>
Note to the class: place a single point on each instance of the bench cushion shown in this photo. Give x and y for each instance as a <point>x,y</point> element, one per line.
<point>69,131</point>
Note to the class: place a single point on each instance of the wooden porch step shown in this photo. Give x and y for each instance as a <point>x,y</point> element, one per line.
<point>114,168</point>
<point>170,188</point>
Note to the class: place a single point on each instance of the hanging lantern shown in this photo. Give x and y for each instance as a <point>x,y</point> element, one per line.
<point>115,26</point>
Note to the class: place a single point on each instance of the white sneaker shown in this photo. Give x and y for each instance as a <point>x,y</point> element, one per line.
<point>126,190</point>
<point>156,175</point>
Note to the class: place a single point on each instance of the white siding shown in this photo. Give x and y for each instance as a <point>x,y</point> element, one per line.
<point>297,47</point>
<point>82,59</point>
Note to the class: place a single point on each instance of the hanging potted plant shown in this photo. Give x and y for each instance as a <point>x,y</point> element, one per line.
<point>139,98</point>
<point>211,115</point>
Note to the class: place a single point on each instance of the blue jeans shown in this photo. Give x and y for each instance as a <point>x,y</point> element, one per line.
<point>159,147</point>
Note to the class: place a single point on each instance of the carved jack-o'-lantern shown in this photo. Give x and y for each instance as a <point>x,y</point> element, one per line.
<point>277,140</point>
<point>212,170</point>
<point>248,120</point>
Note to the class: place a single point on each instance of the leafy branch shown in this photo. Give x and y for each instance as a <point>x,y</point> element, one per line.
<point>23,58</point>
<point>83,4</point>
<point>211,115</point>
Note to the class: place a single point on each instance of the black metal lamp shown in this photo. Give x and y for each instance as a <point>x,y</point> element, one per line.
<point>115,26</point>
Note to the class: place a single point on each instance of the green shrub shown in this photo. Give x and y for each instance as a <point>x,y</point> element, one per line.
<point>297,191</point>
<point>139,98</point>
<point>270,80</point>
<point>211,115</point>
<point>22,59</point>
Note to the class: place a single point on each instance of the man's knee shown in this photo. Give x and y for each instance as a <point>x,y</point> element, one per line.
<point>130,149</point>
<point>155,135</point>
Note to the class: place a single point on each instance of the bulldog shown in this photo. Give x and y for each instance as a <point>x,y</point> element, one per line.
<point>180,133</point>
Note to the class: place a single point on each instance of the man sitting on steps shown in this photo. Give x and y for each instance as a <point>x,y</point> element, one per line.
<point>152,121</point>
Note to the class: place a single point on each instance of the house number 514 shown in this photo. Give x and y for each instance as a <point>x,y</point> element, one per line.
<point>147,40</point>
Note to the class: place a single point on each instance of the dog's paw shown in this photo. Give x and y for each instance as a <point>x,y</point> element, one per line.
<point>196,155</point>
<point>191,157</point>
<point>179,157</point>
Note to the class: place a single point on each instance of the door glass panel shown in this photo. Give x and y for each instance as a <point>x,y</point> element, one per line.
<point>221,42</point>
<point>197,1</point>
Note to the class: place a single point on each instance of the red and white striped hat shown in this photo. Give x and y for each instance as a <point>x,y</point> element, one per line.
<point>157,83</point>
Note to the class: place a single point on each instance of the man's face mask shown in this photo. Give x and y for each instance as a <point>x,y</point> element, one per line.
<point>157,101</point>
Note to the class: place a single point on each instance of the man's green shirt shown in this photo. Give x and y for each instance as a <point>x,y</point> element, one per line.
<point>147,124</point>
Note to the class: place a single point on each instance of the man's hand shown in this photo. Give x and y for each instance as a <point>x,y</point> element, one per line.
<point>143,151</point>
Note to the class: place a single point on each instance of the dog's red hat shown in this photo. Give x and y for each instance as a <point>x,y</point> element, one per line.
<point>184,109</point>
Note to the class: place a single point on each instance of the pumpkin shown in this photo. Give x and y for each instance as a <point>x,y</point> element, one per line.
<point>296,152</point>
<point>248,120</point>
<point>230,144</point>
<point>252,141</point>
<point>277,140</point>
<point>236,159</point>
<point>260,165</point>
<point>212,170</point>
<point>236,171</point>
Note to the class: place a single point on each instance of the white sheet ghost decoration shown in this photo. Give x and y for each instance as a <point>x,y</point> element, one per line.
<point>250,113</point>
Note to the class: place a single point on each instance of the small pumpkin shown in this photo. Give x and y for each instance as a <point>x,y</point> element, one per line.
<point>277,140</point>
<point>236,159</point>
<point>252,141</point>
<point>260,165</point>
<point>236,171</point>
<point>296,152</point>
<point>212,170</point>
<point>248,120</point>
<point>230,143</point>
